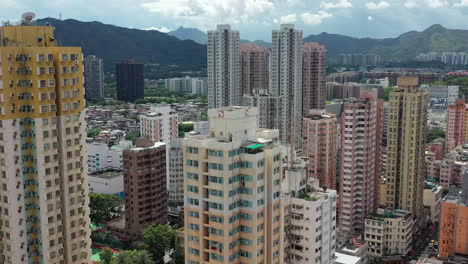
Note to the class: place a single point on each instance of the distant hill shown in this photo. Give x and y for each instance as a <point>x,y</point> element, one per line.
<point>114,43</point>
<point>258,42</point>
<point>408,45</point>
<point>189,33</point>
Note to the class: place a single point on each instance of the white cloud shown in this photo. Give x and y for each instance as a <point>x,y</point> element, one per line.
<point>315,19</point>
<point>461,3</point>
<point>339,4</point>
<point>370,18</point>
<point>432,3</point>
<point>437,3</point>
<point>379,5</point>
<point>208,12</point>
<point>160,29</point>
<point>410,4</point>
<point>291,18</point>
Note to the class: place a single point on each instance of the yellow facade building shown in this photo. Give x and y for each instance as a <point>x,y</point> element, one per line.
<point>44,213</point>
<point>407,118</point>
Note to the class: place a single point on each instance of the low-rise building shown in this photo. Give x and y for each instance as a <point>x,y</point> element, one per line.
<point>107,181</point>
<point>432,198</point>
<point>389,232</point>
<point>100,156</point>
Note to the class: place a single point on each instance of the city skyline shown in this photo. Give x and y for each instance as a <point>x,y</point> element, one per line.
<point>358,18</point>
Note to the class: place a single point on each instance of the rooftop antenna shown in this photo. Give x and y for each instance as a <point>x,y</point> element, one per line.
<point>26,18</point>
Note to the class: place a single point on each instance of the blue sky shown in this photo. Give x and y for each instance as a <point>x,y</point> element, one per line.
<point>256,18</point>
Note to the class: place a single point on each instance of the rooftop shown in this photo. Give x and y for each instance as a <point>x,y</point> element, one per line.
<point>346,259</point>
<point>107,173</point>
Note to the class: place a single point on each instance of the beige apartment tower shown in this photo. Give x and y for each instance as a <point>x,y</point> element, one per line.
<point>406,139</point>
<point>44,212</point>
<point>233,208</point>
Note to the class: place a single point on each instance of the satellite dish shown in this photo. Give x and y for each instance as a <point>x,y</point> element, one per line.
<point>28,17</point>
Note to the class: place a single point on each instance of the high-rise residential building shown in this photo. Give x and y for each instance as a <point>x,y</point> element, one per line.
<point>175,179</point>
<point>455,132</point>
<point>314,63</point>
<point>145,186</point>
<point>45,205</point>
<point>254,68</point>
<point>94,77</point>
<point>160,124</point>
<point>389,232</point>
<point>320,133</point>
<point>286,80</point>
<point>310,217</point>
<point>453,234</point>
<point>360,162</point>
<point>233,210</point>
<point>224,84</point>
<point>130,82</point>
<point>407,120</point>
<point>187,85</point>
<point>269,108</point>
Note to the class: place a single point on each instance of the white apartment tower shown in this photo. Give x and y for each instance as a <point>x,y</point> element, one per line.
<point>233,207</point>
<point>310,218</point>
<point>224,86</point>
<point>286,78</point>
<point>160,124</point>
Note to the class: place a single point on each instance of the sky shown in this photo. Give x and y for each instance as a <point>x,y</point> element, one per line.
<point>256,18</point>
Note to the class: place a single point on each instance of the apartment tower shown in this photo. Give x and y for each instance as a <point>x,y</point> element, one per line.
<point>45,206</point>
<point>407,120</point>
<point>94,78</point>
<point>160,124</point>
<point>286,80</point>
<point>130,82</point>
<point>453,234</point>
<point>145,186</point>
<point>320,133</point>
<point>314,63</point>
<point>224,85</point>
<point>360,162</point>
<point>254,66</point>
<point>233,209</point>
<point>455,124</point>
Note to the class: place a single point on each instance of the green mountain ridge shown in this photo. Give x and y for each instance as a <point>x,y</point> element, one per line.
<point>114,43</point>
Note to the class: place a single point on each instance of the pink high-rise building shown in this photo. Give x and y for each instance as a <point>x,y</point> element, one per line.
<point>254,68</point>
<point>455,124</point>
<point>361,134</point>
<point>314,62</point>
<point>319,131</point>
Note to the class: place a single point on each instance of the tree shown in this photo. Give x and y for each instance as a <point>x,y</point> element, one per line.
<point>142,257</point>
<point>106,256</point>
<point>434,134</point>
<point>104,207</point>
<point>124,257</point>
<point>93,133</point>
<point>131,135</point>
<point>159,239</point>
<point>183,128</point>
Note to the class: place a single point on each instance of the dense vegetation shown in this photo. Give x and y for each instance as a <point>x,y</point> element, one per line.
<point>434,134</point>
<point>114,43</point>
<point>457,80</point>
<point>184,128</point>
<point>408,45</point>
<point>104,207</point>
